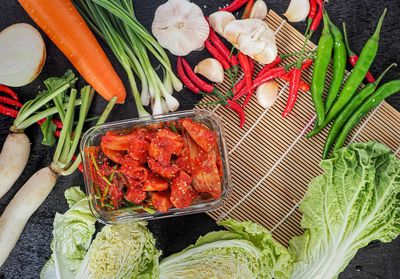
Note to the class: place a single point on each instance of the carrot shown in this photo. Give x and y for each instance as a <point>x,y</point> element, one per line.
<point>61,21</point>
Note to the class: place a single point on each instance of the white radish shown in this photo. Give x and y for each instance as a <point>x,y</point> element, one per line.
<point>13,159</point>
<point>22,206</point>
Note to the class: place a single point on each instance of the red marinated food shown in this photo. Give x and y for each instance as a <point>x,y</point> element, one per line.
<point>157,167</point>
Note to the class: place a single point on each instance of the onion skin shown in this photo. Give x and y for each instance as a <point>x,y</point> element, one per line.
<point>13,159</point>
<point>22,206</point>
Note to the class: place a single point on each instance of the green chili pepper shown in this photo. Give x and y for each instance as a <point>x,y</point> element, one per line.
<point>348,111</point>
<point>383,92</point>
<point>339,65</point>
<point>357,76</point>
<point>324,52</point>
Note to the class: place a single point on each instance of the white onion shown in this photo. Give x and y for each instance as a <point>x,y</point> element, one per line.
<point>22,54</point>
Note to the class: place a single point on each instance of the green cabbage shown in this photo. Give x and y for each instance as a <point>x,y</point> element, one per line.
<point>121,251</point>
<point>355,201</point>
<point>72,233</point>
<point>246,250</point>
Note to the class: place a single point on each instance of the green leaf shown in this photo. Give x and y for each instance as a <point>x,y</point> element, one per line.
<point>246,250</point>
<point>72,232</point>
<point>355,201</point>
<point>48,128</point>
<point>74,195</point>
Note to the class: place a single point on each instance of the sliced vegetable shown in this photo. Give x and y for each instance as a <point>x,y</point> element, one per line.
<point>355,201</point>
<point>122,251</point>
<point>88,58</point>
<point>180,27</point>
<point>22,54</point>
<point>246,250</point>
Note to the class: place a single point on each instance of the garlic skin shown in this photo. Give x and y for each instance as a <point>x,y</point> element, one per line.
<point>180,27</point>
<point>298,10</point>
<point>267,94</point>
<point>211,69</point>
<point>219,20</point>
<point>259,10</point>
<point>254,38</point>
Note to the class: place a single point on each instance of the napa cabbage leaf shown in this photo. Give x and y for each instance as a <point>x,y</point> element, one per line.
<point>121,251</point>
<point>355,201</point>
<point>245,250</point>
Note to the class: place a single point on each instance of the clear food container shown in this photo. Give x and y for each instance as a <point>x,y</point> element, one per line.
<point>112,216</point>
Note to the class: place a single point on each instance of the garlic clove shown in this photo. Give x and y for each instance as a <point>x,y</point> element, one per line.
<point>267,94</point>
<point>219,20</point>
<point>254,38</point>
<point>180,27</point>
<point>298,10</point>
<point>211,69</point>
<point>259,10</point>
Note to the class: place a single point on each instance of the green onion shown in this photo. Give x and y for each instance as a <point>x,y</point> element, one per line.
<point>116,24</point>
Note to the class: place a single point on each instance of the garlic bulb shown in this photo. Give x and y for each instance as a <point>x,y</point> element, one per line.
<point>180,27</point>
<point>211,69</point>
<point>254,38</point>
<point>259,10</point>
<point>219,20</point>
<point>298,10</point>
<point>267,93</point>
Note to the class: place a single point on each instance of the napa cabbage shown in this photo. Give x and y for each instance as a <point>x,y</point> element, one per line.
<point>121,251</point>
<point>245,250</point>
<point>355,201</point>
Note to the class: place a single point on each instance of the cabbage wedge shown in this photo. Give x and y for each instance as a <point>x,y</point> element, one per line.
<point>355,201</point>
<point>246,250</point>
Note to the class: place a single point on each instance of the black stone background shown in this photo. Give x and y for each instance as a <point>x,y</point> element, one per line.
<point>33,249</point>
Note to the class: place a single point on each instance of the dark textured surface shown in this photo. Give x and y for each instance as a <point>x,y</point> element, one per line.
<point>33,249</point>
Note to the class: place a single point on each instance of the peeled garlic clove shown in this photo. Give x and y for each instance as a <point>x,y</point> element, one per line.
<point>298,10</point>
<point>180,27</point>
<point>267,94</point>
<point>22,54</point>
<point>219,20</point>
<point>259,10</point>
<point>211,69</point>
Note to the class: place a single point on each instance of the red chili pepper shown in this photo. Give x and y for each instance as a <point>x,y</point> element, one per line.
<point>9,91</point>
<point>260,79</point>
<point>242,83</point>
<point>185,80</point>
<point>303,86</point>
<point>11,102</point>
<point>248,75</point>
<point>317,20</point>
<point>311,14</point>
<point>8,111</point>
<point>57,122</point>
<point>217,55</point>
<point>295,78</point>
<point>201,84</point>
<point>80,167</point>
<point>57,133</point>
<point>234,6</point>
<point>247,9</point>
<point>222,48</point>
<point>238,109</point>
<point>306,64</point>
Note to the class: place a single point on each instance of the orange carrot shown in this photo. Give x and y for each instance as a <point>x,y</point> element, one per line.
<point>60,20</point>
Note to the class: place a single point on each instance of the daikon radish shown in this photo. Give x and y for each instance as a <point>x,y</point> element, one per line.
<point>13,159</point>
<point>22,206</point>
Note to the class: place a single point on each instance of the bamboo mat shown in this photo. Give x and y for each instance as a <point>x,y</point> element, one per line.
<point>271,160</point>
